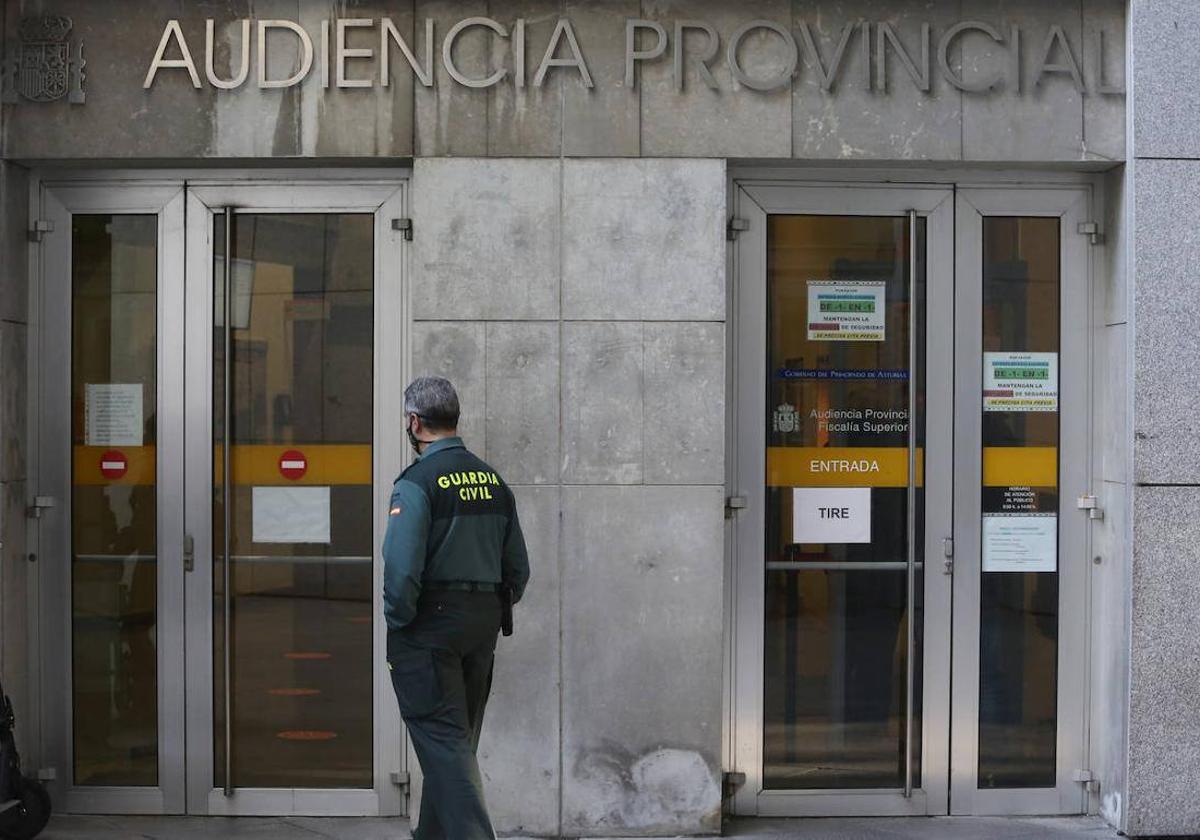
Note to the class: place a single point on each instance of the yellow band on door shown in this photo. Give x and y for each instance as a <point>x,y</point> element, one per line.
<point>253,464</point>
<point>839,466</point>
<point>887,466</point>
<point>1020,466</point>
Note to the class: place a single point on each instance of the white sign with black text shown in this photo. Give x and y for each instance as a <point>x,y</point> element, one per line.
<point>831,514</point>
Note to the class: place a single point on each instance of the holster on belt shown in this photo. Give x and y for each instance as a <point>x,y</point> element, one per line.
<point>506,610</point>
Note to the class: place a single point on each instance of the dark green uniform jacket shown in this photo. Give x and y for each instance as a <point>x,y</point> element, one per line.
<point>452,519</point>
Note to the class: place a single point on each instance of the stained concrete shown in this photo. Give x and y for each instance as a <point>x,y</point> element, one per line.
<point>519,752</point>
<point>1164,717</point>
<point>853,120</point>
<point>1165,50</point>
<point>1166,375</point>
<point>489,241</point>
<point>316,828</point>
<point>665,218</point>
<point>618,131</point>
<point>452,119</point>
<point>456,350</point>
<point>714,123</point>
<point>14,248</point>
<point>522,373</point>
<point>644,563</point>
<point>527,121</point>
<point>857,119</point>
<point>602,403</point>
<point>683,414</point>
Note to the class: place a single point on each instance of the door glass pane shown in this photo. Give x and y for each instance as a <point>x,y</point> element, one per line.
<point>1018,654</point>
<point>837,476</point>
<point>300,536</point>
<point>114,585</point>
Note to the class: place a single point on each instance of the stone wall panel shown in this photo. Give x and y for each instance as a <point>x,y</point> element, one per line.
<point>665,218</point>
<point>488,239</point>
<point>642,563</point>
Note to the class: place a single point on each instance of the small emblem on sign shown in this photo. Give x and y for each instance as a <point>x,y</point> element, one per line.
<point>787,419</point>
<point>44,67</point>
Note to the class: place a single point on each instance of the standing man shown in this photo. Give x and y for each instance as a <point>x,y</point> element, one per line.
<point>454,563</point>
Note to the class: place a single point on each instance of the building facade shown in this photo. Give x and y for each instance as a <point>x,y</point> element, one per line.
<point>824,343</point>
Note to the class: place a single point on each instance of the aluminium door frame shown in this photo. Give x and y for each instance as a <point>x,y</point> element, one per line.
<point>51,470</point>
<point>385,199</point>
<point>1071,204</point>
<point>754,202</point>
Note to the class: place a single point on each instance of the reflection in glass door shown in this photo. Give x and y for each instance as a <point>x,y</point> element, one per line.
<point>108,495</point>
<point>839,375</point>
<point>293,318</point>
<point>842,421</point>
<point>1021,450</point>
<point>114,576</point>
<point>292,572</point>
<point>211,482</point>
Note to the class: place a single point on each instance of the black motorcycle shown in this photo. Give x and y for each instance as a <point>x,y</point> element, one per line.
<point>24,802</point>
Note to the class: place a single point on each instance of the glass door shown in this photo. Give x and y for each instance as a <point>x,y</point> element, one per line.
<point>289,470</point>
<point>107,495</point>
<point>1023,310</point>
<point>843,459</point>
<point>217,387</point>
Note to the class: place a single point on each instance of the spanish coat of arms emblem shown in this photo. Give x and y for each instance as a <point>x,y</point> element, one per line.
<point>44,67</point>
<point>787,419</point>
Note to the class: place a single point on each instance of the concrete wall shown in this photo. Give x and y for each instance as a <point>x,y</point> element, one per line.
<point>856,119</point>
<point>580,308</point>
<point>1164,715</point>
<point>15,668</point>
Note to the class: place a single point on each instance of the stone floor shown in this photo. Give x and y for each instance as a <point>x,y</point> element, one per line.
<point>328,828</point>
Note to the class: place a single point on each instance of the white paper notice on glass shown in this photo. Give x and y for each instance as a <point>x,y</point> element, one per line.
<point>1023,542</point>
<point>113,414</point>
<point>1020,382</point>
<point>852,310</point>
<point>831,514</point>
<point>290,514</point>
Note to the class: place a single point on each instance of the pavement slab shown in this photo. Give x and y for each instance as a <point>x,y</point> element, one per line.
<point>78,827</point>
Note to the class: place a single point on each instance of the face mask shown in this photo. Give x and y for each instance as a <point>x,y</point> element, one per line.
<point>413,440</point>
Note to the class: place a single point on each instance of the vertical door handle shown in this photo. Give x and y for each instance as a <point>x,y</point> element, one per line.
<point>911,523</point>
<point>226,523</point>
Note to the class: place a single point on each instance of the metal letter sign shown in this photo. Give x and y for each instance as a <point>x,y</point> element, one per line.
<point>43,68</point>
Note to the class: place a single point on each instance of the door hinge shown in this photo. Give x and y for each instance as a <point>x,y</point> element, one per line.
<point>47,774</point>
<point>948,554</point>
<point>40,503</point>
<point>1092,231</point>
<point>39,229</point>
<point>189,553</point>
<point>735,227</point>
<point>1090,504</point>
<point>734,503</point>
<point>400,779</point>
<point>405,226</point>
<point>732,782</point>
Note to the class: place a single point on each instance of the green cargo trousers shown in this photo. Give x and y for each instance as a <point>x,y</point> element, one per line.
<point>441,667</point>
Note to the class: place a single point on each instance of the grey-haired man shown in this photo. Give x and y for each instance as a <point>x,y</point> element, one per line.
<point>454,560</point>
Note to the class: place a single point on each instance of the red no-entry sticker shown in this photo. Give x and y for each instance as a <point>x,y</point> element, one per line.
<point>293,465</point>
<point>113,464</point>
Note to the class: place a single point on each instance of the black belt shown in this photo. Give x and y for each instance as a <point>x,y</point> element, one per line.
<point>460,586</point>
